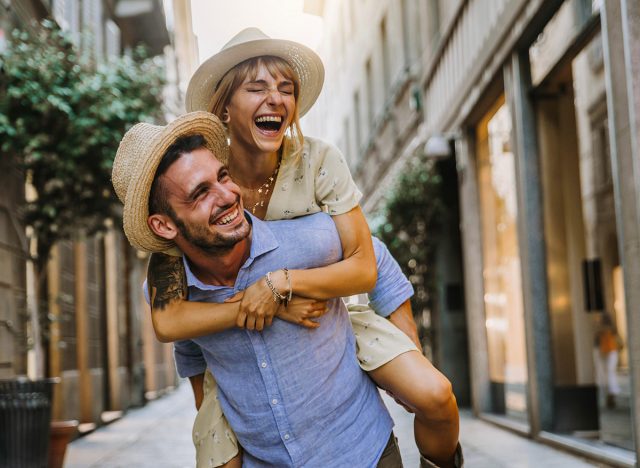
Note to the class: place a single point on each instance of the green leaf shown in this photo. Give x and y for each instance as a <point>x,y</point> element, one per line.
<point>63,121</point>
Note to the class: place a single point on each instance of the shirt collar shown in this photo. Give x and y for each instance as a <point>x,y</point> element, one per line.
<point>262,241</point>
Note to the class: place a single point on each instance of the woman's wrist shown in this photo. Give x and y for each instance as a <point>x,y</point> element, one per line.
<point>281,282</point>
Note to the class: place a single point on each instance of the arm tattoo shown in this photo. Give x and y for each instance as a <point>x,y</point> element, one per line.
<point>166,279</point>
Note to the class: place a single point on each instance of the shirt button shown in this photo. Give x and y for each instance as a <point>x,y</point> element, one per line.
<point>286,437</point>
<point>263,365</point>
<point>274,401</point>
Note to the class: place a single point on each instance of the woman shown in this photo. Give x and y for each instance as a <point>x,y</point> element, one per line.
<point>607,345</point>
<point>259,87</point>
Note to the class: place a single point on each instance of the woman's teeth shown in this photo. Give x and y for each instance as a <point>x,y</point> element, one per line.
<point>269,123</point>
<point>228,218</point>
<point>269,118</point>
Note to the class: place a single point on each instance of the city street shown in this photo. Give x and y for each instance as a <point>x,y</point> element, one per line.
<point>159,435</point>
<point>490,147</point>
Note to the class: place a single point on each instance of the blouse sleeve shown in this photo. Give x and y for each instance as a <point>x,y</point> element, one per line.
<point>334,186</point>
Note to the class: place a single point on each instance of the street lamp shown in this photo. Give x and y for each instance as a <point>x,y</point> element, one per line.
<point>438,147</point>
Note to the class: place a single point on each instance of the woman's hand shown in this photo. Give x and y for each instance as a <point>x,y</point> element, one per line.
<point>257,307</point>
<point>303,311</point>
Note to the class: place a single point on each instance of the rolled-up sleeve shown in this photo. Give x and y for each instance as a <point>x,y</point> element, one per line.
<point>189,358</point>
<point>392,287</point>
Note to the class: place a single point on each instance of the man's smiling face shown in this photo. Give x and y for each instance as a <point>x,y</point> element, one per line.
<point>206,204</point>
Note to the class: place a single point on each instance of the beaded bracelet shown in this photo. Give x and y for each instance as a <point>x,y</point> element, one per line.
<point>277,297</point>
<point>288,278</point>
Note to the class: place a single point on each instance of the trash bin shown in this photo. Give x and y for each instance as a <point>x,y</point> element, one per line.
<point>25,419</point>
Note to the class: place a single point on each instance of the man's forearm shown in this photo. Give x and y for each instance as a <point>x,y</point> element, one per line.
<point>197,382</point>
<point>402,318</point>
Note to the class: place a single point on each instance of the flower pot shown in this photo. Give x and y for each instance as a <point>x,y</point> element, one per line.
<point>61,434</point>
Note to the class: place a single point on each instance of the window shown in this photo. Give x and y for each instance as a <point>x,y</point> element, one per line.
<point>370,101</point>
<point>112,38</point>
<point>433,24</point>
<point>385,54</point>
<point>501,271</point>
<point>348,149</point>
<point>358,123</point>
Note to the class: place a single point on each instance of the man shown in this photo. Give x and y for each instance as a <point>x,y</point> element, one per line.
<point>294,396</point>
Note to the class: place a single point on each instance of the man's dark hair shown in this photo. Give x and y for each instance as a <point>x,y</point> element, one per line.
<point>158,202</point>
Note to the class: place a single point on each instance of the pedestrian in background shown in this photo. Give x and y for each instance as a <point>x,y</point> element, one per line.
<point>607,345</point>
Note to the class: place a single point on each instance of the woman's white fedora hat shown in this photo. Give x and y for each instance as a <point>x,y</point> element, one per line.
<point>250,43</point>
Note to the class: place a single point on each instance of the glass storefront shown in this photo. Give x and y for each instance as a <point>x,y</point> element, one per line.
<point>584,275</point>
<point>503,300</point>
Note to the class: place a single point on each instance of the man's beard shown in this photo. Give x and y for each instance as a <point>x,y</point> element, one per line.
<point>211,242</point>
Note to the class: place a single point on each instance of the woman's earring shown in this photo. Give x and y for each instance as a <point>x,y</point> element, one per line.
<point>225,118</point>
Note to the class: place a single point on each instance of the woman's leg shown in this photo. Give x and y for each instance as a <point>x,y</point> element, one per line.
<point>612,373</point>
<point>235,462</point>
<point>420,387</point>
<point>393,361</point>
<point>215,442</point>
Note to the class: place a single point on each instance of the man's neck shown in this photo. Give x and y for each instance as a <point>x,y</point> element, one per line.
<point>219,269</point>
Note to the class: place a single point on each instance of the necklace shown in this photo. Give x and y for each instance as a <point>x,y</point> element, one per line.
<point>263,190</point>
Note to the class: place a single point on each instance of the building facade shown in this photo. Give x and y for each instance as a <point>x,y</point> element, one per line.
<point>538,106</point>
<point>100,340</point>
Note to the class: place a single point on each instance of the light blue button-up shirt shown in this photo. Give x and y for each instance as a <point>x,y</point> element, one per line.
<point>392,287</point>
<point>294,397</point>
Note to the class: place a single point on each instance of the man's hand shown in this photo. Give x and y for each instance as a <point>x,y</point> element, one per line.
<point>303,311</point>
<point>402,318</point>
<point>408,409</point>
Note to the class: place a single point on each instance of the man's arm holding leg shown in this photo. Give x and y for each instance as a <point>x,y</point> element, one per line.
<point>410,377</point>
<point>402,318</point>
<point>197,382</point>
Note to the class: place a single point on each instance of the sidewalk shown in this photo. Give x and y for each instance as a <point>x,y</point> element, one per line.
<point>159,435</point>
<point>485,445</point>
<point>156,435</point>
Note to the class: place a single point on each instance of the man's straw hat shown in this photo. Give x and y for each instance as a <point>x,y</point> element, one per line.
<point>137,159</point>
<point>250,43</point>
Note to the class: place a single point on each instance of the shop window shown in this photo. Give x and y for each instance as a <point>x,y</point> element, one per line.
<point>503,301</point>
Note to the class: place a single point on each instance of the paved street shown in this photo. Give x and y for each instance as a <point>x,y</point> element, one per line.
<point>159,435</point>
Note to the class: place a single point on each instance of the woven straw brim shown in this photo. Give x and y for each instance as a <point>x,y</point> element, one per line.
<point>137,160</point>
<point>304,61</point>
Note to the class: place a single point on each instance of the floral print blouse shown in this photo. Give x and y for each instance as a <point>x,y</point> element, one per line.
<point>316,179</point>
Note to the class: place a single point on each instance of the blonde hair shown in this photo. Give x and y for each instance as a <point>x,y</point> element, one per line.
<point>234,78</point>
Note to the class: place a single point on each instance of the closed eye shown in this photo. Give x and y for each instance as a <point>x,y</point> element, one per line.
<point>223,174</point>
<point>286,87</point>
<point>198,192</point>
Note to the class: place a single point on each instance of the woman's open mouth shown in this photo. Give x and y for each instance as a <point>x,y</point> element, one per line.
<point>269,124</point>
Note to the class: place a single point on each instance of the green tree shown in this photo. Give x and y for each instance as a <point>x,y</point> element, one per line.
<point>409,222</point>
<point>62,119</point>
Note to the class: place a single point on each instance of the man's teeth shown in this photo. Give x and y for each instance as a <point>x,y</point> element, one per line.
<point>269,118</point>
<point>228,218</point>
